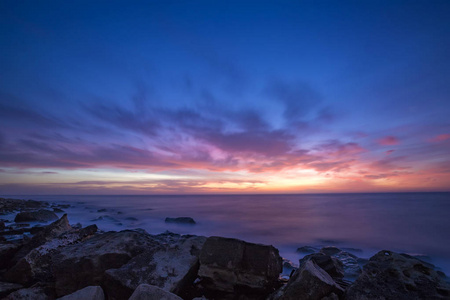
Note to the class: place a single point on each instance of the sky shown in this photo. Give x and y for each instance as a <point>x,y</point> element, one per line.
<point>174,97</point>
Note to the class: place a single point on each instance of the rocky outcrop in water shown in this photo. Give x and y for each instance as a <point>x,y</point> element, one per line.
<point>180,220</point>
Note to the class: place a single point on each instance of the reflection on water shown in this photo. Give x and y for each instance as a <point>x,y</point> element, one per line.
<point>409,222</point>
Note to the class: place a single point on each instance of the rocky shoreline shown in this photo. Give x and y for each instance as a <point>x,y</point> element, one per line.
<point>63,261</point>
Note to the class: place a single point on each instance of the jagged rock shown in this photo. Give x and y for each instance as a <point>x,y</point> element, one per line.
<point>7,287</point>
<point>235,266</point>
<point>88,293</point>
<point>31,293</point>
<point>171,266</point>
<point>180,220</point>
<point>329,264</point>
<point>309,282</point>
<point>41,215</point>
<point>83,264</point>
<point>390,276</point>
<point>351,264</point>
<point>36,265</point>
<point>150,292</point>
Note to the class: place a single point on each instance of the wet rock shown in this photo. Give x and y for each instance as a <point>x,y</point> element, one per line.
<point>309,282</point>
<point>171,266</point>
<point>330,250</point>
<point>307,250</point>
<point>88,293</point>
<point>234,266</point>
<point>11,205</point>
<point>288,269</point>
<point>32,293</point>
<point>329,264</point>
<point>390,276</point>
<point>7,288</point>
<point>180,220</point>
<point>149,292</point>
<point>83,264</point>
<point>351,264</point>
<point>57,210</point>
<point>41,215</point>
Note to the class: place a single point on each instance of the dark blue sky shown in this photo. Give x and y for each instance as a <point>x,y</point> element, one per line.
<point>217,96</point>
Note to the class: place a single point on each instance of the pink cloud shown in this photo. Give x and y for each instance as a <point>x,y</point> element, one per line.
<point>388,141</point>
<point>440,138</point>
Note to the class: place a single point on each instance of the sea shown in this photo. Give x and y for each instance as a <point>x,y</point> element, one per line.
<point>363,224</point>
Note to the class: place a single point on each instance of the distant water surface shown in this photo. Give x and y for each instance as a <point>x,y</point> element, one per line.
<point>415,223</point>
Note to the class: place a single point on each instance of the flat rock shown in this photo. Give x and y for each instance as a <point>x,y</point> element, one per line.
<point>180,220</point>
<point>235,266</point>
<point>83,264</point>
<point>309,282</point>
<point>389,275</point>
<point>329,264</point>
<point>88,293</point>
<point>150,292</point>
<point>41,215</point>
<point>172,265</point>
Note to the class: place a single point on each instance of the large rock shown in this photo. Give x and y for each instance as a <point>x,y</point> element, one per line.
<point>234,266</point>
<point>88,293</point>
<point>309,282</point>
<point>171,265</point>
<point>30,261</point>
<point>389,276</point>
<point>329,264</point>
<point>10,205</point>
<point>83,264</point>
<point>7,252</point>
<point>32,293</point>
<point>41,215</point>
<point>7,287</point>
<point>149,292</point>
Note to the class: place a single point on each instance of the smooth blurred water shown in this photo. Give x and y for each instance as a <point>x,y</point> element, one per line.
<point>415,223</point>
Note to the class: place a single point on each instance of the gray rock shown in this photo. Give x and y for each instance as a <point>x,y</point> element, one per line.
<point>32,293</point>
<point>88,293</point>
<point>180,220</point>
<point>7,287</point>
<point>389,276</point>
<point>83,264</point>
<point>329,264</point>
<point>310,282</point>
<point>229,265</point>
<point>172,265</point>
<point>41,215</point>
<point>149,292</point>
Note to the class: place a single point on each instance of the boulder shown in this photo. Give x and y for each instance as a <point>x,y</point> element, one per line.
<point>389,275</point>
<point>234,266</point>
<point>171,265</point>
<point>180,220</point>
<point>329,264</point>
<point>150,292</point>
<point>41,215</point>
<point>88,293</point>
<point>37,263</point>
<point>83,264</point>
<point>309,282</point>
<point>31,293</point>
<point>7,252</point>
<point>330,250</point>
<point>7,288</point>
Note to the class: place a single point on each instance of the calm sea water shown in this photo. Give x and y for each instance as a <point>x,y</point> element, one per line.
<point>415,223</point>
